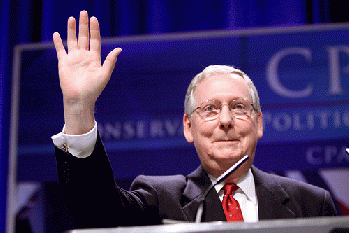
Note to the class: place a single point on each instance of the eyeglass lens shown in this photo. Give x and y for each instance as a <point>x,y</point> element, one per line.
<point>211,109</point>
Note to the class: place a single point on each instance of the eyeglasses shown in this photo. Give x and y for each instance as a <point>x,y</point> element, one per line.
<point>210,109</point>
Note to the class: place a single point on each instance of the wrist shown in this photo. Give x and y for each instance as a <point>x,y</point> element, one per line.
<point>78,117</point>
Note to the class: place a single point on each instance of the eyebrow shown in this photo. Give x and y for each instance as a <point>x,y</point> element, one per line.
<point>235,98</point>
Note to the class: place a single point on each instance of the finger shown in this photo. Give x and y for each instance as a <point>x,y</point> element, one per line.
<point>83,38</point>
<point>57,40</point>
<point>110,61</point>
<point>71,34</point>
<point>95,40</point>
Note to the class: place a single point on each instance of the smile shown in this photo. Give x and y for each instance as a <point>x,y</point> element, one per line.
<point>227,141</point>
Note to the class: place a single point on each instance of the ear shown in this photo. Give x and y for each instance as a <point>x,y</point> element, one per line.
<point>187,127</point>
<point>260,125</point>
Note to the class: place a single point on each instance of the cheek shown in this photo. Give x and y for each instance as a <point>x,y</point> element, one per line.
<point>203,135</point>
<point>246,132</point>
<point>250,136</point>
<point>204,129</point>
<point>246,128</point>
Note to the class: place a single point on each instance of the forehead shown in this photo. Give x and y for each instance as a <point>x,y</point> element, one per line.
<point>222,87</point>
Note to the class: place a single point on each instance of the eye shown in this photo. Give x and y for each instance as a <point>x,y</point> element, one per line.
<point>240,106</point>
<point>209,108</point>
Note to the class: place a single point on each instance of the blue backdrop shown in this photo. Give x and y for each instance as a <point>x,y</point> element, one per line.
<point>35,21</point>
<point>300,73</point>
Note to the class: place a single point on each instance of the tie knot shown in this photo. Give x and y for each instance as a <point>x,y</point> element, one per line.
<point>229,189</point>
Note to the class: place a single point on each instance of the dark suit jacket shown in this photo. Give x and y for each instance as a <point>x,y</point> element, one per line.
<point>95,200</point>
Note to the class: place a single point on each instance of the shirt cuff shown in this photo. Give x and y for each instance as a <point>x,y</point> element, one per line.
<point>80,146</point>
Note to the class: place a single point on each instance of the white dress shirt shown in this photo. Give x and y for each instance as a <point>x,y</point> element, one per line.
<point>80,146</point>
<point>245,195</point>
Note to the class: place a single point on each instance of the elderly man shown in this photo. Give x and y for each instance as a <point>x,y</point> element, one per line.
<point>222,118</point>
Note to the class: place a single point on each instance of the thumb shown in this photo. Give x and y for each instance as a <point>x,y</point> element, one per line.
<point>109,63</point>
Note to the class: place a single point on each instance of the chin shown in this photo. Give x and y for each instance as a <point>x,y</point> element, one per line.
<point>229,155</point>
<point>226,160</point>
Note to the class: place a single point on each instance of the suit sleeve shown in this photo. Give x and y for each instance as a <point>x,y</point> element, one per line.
<point>329,208</point>
<point>92,196</point>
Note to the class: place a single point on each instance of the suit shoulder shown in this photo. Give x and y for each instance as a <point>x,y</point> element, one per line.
<point>168,183</point>
<point>288,184</point>
<point>305,200</point>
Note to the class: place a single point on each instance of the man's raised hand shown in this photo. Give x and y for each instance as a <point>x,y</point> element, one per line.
<point>82,76</point>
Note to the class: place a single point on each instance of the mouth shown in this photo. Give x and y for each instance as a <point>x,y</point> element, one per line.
<point>227,140</point>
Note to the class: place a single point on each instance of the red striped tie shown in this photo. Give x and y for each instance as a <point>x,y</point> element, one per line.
<point>231,206</point>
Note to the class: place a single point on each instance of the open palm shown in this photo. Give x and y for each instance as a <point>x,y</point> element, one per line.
<point>81,74</point>
<point>82,77</point>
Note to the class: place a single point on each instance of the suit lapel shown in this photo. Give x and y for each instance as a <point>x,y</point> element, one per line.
<point>197,183</point>
<point>213,210</point>
<point>273,201</point>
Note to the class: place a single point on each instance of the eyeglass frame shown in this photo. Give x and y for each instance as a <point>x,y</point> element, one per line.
<point>229,106</point>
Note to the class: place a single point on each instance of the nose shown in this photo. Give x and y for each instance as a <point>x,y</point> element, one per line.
<point>225,118</point>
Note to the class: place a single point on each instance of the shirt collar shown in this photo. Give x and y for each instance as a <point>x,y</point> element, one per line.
<point>246,184</point>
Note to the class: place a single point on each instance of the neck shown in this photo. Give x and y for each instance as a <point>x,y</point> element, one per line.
<point>236,176</point>
<point>233,173</point>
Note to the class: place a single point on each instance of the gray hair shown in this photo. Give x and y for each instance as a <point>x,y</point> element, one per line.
<point>189,103</point>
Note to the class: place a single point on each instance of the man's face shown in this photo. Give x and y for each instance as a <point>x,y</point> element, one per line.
<point>223,141</point>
